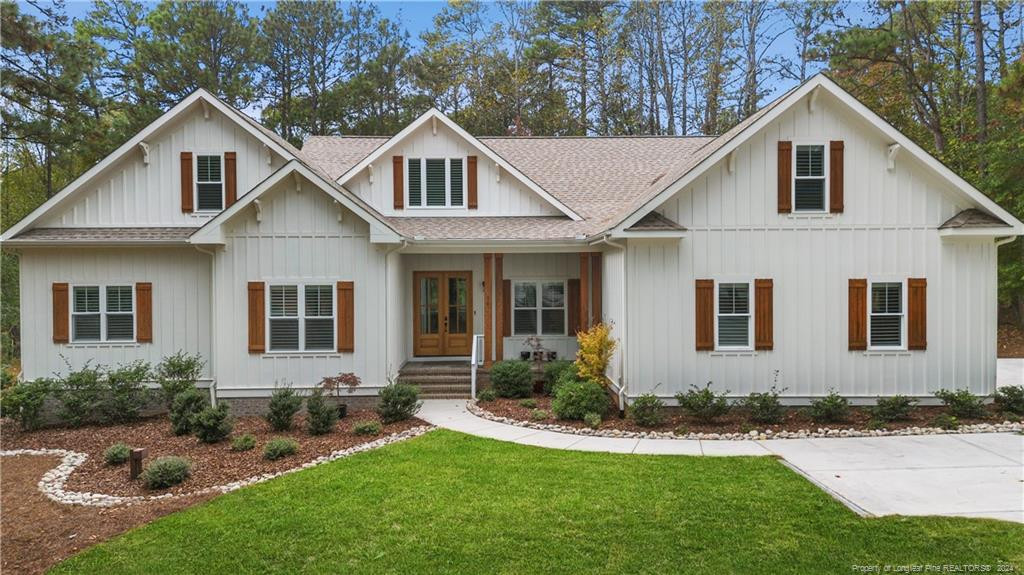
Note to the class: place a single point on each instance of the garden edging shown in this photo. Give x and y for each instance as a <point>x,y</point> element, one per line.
<point>1004,427</point>
<point>53,481</point>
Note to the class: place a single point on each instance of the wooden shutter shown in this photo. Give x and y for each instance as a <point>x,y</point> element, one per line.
<point>257,337</point>
<point>230,179</point>
<point>835,177</point>
<point>144,312</point>
<point>595,303</point>
<point>186,182</point>
<point>346,317</point>
<point>506,308</point>
<point>704,314</point>
<point>763,319</point>
<point>471,181</point>
<point>917,313</point>
<point>61,323</point>
<point>573,301</point>
<point>398,180</point>
<point>785,184</point>
<point>858,309</point>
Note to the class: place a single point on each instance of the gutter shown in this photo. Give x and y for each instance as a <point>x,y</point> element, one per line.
<point>1004,241</point>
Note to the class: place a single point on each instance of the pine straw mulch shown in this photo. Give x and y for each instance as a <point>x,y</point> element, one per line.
<point>1010,341</point>
<point>212,464</point>
<point>736,421</point>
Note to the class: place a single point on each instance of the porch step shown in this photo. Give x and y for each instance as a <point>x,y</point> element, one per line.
<point>438,380</point>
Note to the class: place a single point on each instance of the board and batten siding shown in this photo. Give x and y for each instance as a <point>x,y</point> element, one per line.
<point>509,197</point>
<point>132,193</point>
<point>888,231</point>
<point>299,241</point>
<point>613,305</point>
<point>180,280</point>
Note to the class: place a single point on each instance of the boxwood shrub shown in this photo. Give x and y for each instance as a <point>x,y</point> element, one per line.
<point>962,403</point>
<point>702,403</point>
<point>831,408</point>
<point>576,399</point>
<point>1011,398</point>
<point>166,472</point>
<point>895,408</point>
<point>512,378</point>
<point>213,424</point>
<point>185,407</point>
<point>398,402</point>
<point>647,410</point>
<point>553,371</point>
<point>765,407</point>
<point>280,447</point>
<point>117,454</point>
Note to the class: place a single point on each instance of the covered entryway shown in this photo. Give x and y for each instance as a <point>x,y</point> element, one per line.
<point>442,313</point>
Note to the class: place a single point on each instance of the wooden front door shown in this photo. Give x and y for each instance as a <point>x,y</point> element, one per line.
<point>442,313</point>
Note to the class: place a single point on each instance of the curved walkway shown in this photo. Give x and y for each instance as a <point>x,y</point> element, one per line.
<point>971,475</point>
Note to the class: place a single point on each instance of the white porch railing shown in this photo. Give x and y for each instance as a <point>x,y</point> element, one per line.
<point>475,359</point>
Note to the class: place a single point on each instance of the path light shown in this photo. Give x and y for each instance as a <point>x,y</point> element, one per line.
<point>135,462</point>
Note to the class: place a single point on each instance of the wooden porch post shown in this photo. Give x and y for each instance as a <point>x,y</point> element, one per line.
<point>487,310</point>
<point>499,314</point>
<point>595,305</point>
<point>584,291</point>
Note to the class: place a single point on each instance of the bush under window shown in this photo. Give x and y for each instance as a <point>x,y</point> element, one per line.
<point>284,404</point>
<point>553,371</point>
<point>125,394</point>
<point>703,403</point>
<point>320,417</point>
<point>80,394</point>
<point>213,424</point>
<point>177,373</point>
<point>185,407</point>
<point>1011,398</point>
<point>23,402</point>
<point>512,378</point>
<point>895,408</point>
<point>962,403</point>
<point>765,407</point>
<point>831,408</point>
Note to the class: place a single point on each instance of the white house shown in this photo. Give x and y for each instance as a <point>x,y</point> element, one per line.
<point>812,247</point>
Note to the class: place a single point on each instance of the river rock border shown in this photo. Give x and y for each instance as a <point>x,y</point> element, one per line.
<point>53,481</point>
<point>1004,427</point>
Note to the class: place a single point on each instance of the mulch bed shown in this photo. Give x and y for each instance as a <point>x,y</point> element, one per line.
<point>735,421</point>
<point>212,464</point>
<point>1010,341</point>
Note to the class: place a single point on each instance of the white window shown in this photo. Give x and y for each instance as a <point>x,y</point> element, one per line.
<point>538,307</point>
<point>733,328</point>
<point>209,183</point>
<point>103,313</point>
<point>810,183</point>
<point>301,323</point>
<point>436,182</point>
<point>886,325</point>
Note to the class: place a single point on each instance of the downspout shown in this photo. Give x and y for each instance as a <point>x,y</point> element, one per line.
<point>387,302</point>
<point>1004,241</point>
<point>625,316</point>
<point>213,321</point>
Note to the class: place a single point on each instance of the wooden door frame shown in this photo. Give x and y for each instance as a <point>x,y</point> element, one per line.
<point>443,276</point>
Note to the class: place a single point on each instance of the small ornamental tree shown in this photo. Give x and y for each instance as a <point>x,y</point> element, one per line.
<point>596,347</point>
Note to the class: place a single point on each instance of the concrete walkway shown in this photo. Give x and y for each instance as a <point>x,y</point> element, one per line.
<point>1009,371</point>
<point>977,475</point>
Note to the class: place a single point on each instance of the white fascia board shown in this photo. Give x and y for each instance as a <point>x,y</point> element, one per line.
<point>131,146</point>
<point>433,115</point>
<point>653,234</point>
<point>993,232</point>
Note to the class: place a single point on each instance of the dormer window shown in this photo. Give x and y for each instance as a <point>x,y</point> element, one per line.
<point>436,182</point>
<point>809,180</point>
<point>209,183</point>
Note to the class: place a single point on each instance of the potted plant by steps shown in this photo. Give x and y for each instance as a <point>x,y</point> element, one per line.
<point>332,386</point>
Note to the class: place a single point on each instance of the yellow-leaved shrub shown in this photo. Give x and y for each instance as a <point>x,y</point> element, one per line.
<point>596,348</point>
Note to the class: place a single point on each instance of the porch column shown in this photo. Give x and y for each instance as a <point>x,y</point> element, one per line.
<point>595,271</point>
<point>499,314</point>
<point>487,310</point>
<point>584,291</point>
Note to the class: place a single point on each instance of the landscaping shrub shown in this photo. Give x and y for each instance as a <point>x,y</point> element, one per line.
<point>177,373</point>
<point>528,403</point>
<point>596,347</point>
<point>593,420</point>
<point>833,407</point>
<point>681,430</point>
<point>80,394</point>
<point>213,424</point>
<point>703,403</point>
<point>945,421</point>
<point>646,410</point>
<point>553,371</point>
<point>875,423</point>
<point>280,447</point>
<point>895,408</point>
<point>166,472</point>
<point>538,415</point>
<point>575,400</point>
<point>398,402</point>
<point>185,407</point>
<point>117,454</point>
<point>243,442</point>
<point>367,428</point>
<point>23,402</point>
<point>512,378</point>
<point>567,376</point>
<point>320,417</point>
<point>962,403</point>
<point>284,404</point>
<point>125,394</point>
<point>486,396</point>
<point>765,407</point>
<point>1011,398</point>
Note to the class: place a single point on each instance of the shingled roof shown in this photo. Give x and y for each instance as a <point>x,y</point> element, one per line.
<point>161,235</point>
<point>973,218</point>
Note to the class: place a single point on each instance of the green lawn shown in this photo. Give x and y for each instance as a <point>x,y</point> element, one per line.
<point>448,502</point>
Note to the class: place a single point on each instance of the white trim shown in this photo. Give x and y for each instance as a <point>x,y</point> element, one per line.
<point>130,147</point>
<point>824,177</point>
<point>749,315</point>
<point>788,100</point>
<point>103,313</point>
<point>539,307</point>
<point>301,316</point>
<point>903,313</point>
<point>434,114</point>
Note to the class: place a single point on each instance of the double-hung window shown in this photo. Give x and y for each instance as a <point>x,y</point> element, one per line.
<point>209,183</point>
<point>538,308</point>
<point>301,318</point>
<point>886,323</point>
<point>436,182</point>
<point>809,180</point>
<point>103,313</point>
<point>734,313</point>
